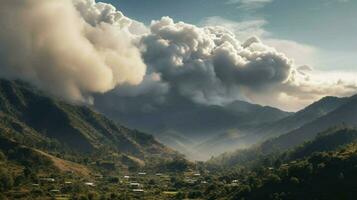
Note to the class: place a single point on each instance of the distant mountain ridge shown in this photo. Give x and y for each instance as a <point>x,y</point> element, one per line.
<point>346,114</point>
<point>239,139</point>
<point>193,120</point>
<point>335,112</point>
<point>186,125</point>
<point>300,118</point>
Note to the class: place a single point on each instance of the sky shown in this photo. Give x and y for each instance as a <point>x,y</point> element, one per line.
<point>328,26</point>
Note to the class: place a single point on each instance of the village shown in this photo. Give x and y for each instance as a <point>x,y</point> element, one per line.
<point>138,185</point>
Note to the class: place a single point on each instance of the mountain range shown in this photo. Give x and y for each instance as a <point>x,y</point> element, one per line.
<point>186,126</point>
<point>238,139</point>
<point>335,113</point>
<point>32,118</point>
<point>46,143</point>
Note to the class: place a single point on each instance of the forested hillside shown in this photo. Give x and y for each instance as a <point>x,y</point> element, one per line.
<point>324,168</point>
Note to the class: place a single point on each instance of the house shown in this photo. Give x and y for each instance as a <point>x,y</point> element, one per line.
<point>138,190</point>
<point>135,185</point>
<point>89,184</point>
<point>55,191</point>
<point>190,181</point>
<point>51,180</point>
<point>142,173</point>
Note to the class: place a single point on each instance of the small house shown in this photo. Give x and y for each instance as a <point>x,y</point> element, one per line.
<point>89,184</point>
<point>135,185</point>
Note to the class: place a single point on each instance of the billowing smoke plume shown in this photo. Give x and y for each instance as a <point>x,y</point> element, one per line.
<point>190,66</point>
<point>68,48</point>
<point>209,65</point>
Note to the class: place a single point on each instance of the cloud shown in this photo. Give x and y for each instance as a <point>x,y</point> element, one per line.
<point>242,30</point>
<point>307,85</point>
<point>68,48</point>
<point>209,65</point>
<point>302,54</point>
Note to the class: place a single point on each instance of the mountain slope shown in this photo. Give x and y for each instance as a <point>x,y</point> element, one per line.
<point>242,138</point>
<point>328,173</point>
<point>328,140</point>
<point>28,116</point>
<point>190,119</point>
<point>343,115</point>
<point>302,117</point>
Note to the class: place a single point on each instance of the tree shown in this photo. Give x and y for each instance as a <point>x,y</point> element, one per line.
<point>294,180</point>
<point>2,156</point>
<point>6,180</point>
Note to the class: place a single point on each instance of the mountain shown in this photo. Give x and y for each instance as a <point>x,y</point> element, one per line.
<point>343,115</point>
<point>295,128</point>
<point>244,137</point>
<point>195,121</point>
<point>186,125</point>
<point>31,118</point>
<point>302,117</point>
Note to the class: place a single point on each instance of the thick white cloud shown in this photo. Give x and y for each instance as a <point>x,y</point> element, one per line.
<point>242,30</point>
<point>68,48</point>
<point>209,65</point>
<point>302,54</point>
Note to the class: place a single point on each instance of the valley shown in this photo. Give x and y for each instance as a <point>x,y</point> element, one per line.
<point>55,150</point>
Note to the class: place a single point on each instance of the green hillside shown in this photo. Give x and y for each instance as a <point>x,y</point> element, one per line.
<point>37,117</point>
<point>324,168</point>
<point>328,140</point>
<point>42,138</point>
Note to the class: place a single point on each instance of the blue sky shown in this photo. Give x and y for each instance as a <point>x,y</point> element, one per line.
<point>329,26</point>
